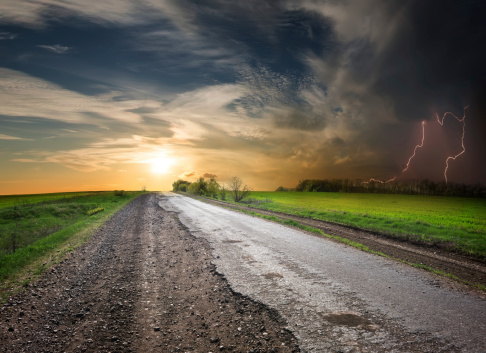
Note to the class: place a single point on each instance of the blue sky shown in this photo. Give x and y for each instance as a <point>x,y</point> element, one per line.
<point>123,94</point>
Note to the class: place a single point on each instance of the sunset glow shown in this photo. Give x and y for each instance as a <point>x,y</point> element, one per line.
<point>162,165</point>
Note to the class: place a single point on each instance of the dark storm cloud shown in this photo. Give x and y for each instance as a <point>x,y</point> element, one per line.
<point>436,59</point>
<point>434,64</point>
<point>395,64</point>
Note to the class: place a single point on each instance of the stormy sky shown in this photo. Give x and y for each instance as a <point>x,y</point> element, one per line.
<point>100,95</point>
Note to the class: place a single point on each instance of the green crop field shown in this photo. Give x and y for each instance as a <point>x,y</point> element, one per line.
<point>459,222</point>
<point>34,225</point>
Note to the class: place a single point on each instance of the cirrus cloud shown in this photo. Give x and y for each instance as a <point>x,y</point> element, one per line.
<point>56,48</point>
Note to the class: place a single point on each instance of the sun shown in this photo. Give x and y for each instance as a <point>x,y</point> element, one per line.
<point>161,165</point>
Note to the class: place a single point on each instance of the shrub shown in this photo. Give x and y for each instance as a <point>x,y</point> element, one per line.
<point>119,193</point>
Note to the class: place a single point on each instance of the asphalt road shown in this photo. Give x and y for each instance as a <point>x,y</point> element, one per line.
<point>334,297</point>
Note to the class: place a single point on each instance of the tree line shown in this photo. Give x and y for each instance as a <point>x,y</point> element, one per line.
<point>409,187</point>
<point>235,188</point>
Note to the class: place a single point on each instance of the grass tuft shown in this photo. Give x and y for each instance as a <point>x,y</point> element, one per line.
<point>95,211</point>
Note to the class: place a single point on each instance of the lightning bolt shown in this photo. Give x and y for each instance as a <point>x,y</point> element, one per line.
<point>441,122</point>
<point>463,121</point>
<point>417,146</point>
<point>408,162</point>
<point>380,181</point>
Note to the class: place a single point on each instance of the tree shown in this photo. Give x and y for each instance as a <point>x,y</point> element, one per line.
<point>222,193</point>
<point>199,187</point>
<point>180,185</point>
<point>212,188</point>
<point>237,191</point>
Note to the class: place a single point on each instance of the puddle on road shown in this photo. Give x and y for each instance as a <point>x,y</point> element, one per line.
<point>350,320</point>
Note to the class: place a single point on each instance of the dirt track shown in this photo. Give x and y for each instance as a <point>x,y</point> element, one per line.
<point>143,283</point>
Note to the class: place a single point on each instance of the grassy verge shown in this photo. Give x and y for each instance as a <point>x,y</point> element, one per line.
<point>29,261</point>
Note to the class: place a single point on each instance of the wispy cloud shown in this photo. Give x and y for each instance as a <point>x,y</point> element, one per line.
<point>25,95</point>
<point>8,35</point>
<point>209,175</point>
<point>7,137</point>
<point>38,13</point>
<point>187,174</point>
<point>56,48</point>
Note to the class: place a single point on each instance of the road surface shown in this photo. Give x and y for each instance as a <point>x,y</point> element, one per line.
<point>334,297</point>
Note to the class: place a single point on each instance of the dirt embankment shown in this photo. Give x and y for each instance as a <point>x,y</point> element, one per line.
<point>465,268</point>
<point>143,283</point>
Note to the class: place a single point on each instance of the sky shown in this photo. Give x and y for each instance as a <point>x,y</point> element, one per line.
<point>126,94</point>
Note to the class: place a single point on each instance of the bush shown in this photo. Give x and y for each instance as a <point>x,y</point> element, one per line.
<point>119,193</point>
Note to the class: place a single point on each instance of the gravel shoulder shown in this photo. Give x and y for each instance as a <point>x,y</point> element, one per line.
<point>467,269</point>
<point>142,283</point>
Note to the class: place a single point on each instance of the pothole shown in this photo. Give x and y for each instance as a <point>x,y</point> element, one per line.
<point>272,275</point>
<point>347,319</point>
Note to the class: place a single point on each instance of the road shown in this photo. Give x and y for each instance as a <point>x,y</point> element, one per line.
<point>142,283</point>
<point>334,297</point>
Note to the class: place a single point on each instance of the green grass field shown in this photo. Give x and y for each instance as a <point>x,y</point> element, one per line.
<point>42,224</point>
<point>13,200</point>
<point>459,222</point>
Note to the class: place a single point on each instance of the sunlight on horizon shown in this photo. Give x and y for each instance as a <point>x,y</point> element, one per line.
<point>162,164</point>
